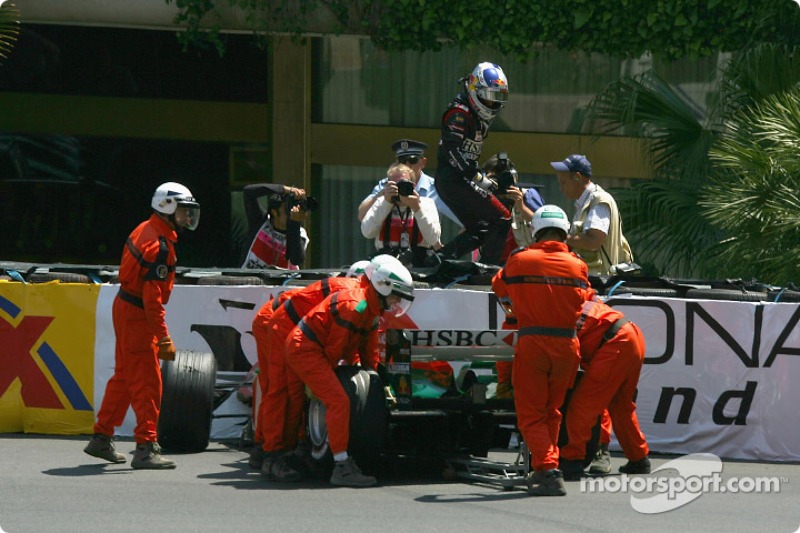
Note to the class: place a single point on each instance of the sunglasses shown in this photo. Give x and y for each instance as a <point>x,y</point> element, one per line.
<point>410,160</point>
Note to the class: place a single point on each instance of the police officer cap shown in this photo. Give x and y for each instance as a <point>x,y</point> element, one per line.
<point>408,148</point>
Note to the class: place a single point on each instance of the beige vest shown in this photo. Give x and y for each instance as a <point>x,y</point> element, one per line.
<point>615,249</point>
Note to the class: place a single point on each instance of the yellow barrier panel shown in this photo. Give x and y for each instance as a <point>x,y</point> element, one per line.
<point>47,334</point>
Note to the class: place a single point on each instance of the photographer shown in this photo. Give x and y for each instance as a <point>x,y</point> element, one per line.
<point>522,203</point>
<point>276,235</point>
<point>402,223</point>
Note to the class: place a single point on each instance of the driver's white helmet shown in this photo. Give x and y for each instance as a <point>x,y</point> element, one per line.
<point>169,196</point>
<point>550,216</point>
<point>357,268</point>
<point>487,90</point>
<point>388,276</point>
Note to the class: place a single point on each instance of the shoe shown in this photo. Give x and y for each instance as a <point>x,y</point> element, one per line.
<point>548,483</point>
<point>347,474</point>
<point>148,457</point>
<point>102,447</point>
<point>572,470</point>
<point>642,466</point>
<point>256,459</point>
<point>282,470</point>
<point>601,464</point>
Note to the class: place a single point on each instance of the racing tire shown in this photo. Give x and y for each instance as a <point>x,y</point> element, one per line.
<point>369,419</point>
<point>187,401</point>
<point>563,436</point>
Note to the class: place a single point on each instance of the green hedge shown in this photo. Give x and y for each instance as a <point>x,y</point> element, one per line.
<point>670,29</point>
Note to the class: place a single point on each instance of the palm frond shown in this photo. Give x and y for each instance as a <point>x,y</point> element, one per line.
<point>755,195</point>
<point>9,28</point>
<point>648,106</point>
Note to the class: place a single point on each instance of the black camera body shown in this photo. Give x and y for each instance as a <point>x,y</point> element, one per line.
<point>405,187</point>
<point>309,203</point>
<point>505,172</point>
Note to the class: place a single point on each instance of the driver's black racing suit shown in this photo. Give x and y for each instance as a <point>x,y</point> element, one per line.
<point>486,220</point>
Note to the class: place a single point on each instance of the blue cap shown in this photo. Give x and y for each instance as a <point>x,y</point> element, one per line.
<point>574,163</point>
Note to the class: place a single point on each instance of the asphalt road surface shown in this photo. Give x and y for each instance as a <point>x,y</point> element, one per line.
<point>47,484</point>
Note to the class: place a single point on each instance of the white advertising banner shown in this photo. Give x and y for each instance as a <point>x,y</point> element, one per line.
<point>718,375</point>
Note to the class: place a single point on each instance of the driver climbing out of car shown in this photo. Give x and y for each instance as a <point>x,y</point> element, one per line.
<point>280,412</point>
<point>462,185</point>
<point>146,277</point>
<point>344,326</point>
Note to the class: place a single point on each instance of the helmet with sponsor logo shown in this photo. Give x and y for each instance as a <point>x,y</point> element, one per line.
<point>550,216</point>
<point>487,90</point>
<point>169,197</point>
<point>358,268</point>
<point>389,277</point>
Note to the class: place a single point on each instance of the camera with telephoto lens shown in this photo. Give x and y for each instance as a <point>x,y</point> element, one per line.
<point>505,172</point>
<point>309,203</point>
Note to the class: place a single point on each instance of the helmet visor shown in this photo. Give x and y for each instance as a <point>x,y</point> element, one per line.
<point>187,215</point>
<point>493,95</point>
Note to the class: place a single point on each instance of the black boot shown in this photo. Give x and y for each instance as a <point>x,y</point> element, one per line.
<point>462,244</point>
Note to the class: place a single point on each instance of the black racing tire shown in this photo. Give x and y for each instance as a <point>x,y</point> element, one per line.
<point>187,402</point>
<point>369,419</point>
<point>563,436</point>
<point>63,277</point>
<point>727,294</point>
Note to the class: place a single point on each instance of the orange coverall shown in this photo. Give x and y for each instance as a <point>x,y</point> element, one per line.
<point>612,351</point>
<point>343,326</point>
<point>546,285</point>
<point>262,332</point>
<point>281,410</point>
<point>146,276</point>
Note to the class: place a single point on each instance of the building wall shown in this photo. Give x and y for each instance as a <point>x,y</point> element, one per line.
<point>137,110</point>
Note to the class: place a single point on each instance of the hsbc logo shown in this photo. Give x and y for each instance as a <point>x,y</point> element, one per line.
<point>462,338</point>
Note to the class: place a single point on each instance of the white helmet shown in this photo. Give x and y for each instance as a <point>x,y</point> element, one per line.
<point>169,196</point>
<point>487,90</point>
<point>550,216</point>
<point>357,268</point>
<point>388,276</point>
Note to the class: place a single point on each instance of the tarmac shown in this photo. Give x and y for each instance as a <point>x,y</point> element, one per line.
<point>47,484</point>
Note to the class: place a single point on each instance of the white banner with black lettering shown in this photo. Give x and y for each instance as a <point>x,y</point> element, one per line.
<point>718,376</point>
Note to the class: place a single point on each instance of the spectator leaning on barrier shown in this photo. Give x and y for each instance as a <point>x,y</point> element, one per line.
<point>596,234</point>
<point>402,223</point>
<point>544,286</point>
<point>410,153</point>
<point>344,326</point>
<point>146,276</point>
<point>276,235</point>
<point>612,353</point>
